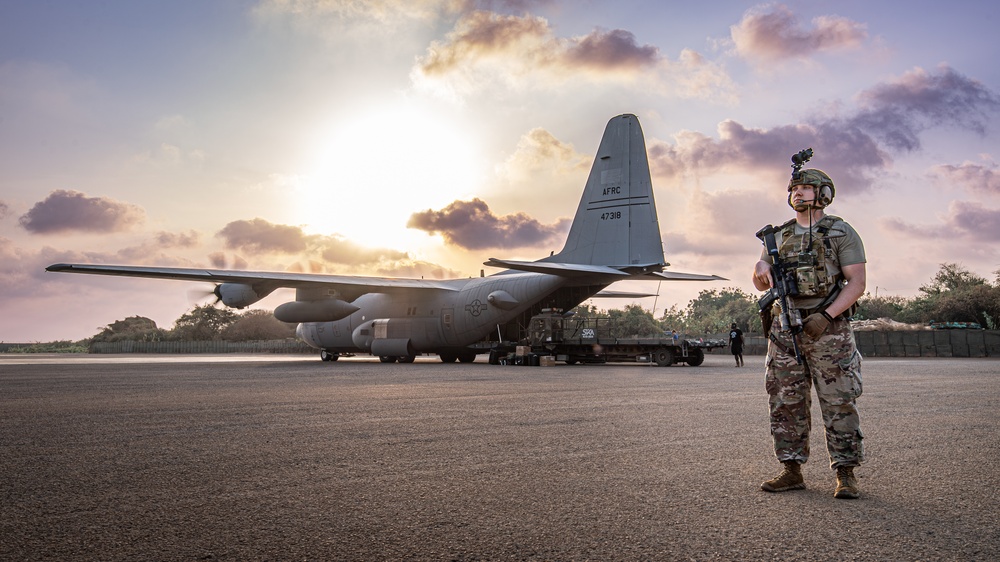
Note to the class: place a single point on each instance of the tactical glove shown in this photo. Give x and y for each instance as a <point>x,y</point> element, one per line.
<point>815,324</point>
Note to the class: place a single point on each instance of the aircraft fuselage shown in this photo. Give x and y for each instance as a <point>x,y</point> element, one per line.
<point>453,317</point>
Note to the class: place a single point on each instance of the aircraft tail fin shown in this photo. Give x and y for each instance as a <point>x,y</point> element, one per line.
<point>615,223</point>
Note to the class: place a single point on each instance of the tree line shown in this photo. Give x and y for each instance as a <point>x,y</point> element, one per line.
<point>202,323</point>
<point>954,294</point>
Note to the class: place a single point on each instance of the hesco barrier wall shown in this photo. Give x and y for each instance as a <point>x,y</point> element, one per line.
<point>268,346</point>
<point>919,343</point>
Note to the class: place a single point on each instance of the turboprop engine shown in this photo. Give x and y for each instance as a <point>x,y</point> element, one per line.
<point>237,295</point>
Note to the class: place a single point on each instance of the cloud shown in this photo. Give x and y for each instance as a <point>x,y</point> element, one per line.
<point>340,250</point>
<point>187,239</point>
<point>4,210</point>
<point>220,260</point>
<point>471,225</point>
<point>965,220</point>
<point>898,110</point>
<point>259,236</point>
<point>850,156</point>
<point>773,33</point>
<point>970,176</point>
<point>853,148</point>
<point>486,48</point>
<point>978,222</point>
<point>71,211</point>
<point>610,50</point>
<point>486,34</point>
<point>539,151</point>
<point>22,270</point>
<point>374,11</point>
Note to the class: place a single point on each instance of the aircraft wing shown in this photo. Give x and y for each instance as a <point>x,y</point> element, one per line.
<point>345,284</point>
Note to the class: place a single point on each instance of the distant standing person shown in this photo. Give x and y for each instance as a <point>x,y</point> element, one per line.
<point>826,257</point>
<point>736,344</point>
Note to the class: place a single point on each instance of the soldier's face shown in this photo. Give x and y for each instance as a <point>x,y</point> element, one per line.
<point>804,196</point>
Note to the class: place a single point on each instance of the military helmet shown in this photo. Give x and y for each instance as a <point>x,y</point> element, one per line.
<point>816,178</point>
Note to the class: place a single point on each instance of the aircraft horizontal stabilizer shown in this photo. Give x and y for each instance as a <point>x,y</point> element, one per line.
<point>678,276</point>
<point>553,268</point>
<point>621,295</point>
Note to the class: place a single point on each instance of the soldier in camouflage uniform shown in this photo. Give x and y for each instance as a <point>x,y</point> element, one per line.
<point>828,259</point>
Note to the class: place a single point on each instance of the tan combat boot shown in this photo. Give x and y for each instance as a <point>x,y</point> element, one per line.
<point>847,484</point>
<point>789,479</point>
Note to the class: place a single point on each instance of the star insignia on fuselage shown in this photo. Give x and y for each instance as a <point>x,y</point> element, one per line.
<point>475,307</point>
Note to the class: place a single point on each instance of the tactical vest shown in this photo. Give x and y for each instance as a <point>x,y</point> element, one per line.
<point>816,267</point>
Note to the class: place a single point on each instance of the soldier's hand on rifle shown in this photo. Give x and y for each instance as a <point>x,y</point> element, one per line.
<point>762,278</point>
<point>815,324</point>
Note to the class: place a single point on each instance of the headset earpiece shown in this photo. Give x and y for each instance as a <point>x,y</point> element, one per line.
<point>825,195</point>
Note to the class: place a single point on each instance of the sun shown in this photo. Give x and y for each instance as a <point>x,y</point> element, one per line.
<point>378,167</point>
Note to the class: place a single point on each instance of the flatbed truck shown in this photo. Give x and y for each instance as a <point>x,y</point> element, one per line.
<point>552,336</point>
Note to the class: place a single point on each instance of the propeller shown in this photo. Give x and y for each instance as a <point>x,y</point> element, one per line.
<point>218,260</point>
<point>201,295</point>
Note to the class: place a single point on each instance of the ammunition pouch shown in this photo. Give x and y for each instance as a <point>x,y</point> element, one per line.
<point>765,307</point>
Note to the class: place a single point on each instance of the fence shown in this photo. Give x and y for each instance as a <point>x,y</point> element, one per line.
<point>267,346</point>
<point>918,343</point>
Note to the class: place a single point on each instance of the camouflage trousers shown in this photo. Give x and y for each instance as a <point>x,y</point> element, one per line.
<point>832,364</point>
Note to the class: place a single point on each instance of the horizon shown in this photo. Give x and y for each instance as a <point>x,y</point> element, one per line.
<point>418,140</point>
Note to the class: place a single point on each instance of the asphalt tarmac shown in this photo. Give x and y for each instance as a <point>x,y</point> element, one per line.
<point>279,458</point>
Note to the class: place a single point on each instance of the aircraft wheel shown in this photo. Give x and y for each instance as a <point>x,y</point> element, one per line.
<point>663,357</point>
<point>448,357</point>
<point>467,358</point>
<point>571,361</point>
<point>327,356</point>
<point>407,358</point>
<point>386,359</point>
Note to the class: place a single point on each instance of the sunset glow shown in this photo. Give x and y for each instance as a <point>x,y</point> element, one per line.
<point>379,166</point>
<point>419,139</point>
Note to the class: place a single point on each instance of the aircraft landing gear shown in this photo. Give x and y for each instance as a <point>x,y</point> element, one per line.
<point>327,356</point>
<point>393,358</point>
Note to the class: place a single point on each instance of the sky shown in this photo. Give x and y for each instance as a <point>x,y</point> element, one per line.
<point>420,138</point>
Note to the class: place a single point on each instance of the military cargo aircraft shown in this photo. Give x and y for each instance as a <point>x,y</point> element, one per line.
<point>615,236</point>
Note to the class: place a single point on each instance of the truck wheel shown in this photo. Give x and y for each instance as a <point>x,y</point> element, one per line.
<point>663,357</point>
<point>696,358</point>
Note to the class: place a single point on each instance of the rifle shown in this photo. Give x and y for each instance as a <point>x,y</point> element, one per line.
<point>784,286</point>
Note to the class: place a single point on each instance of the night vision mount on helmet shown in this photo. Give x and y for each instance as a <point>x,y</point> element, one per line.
<point>825,191</point>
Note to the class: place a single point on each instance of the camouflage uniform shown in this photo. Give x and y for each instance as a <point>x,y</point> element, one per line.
<point>832,364</point>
